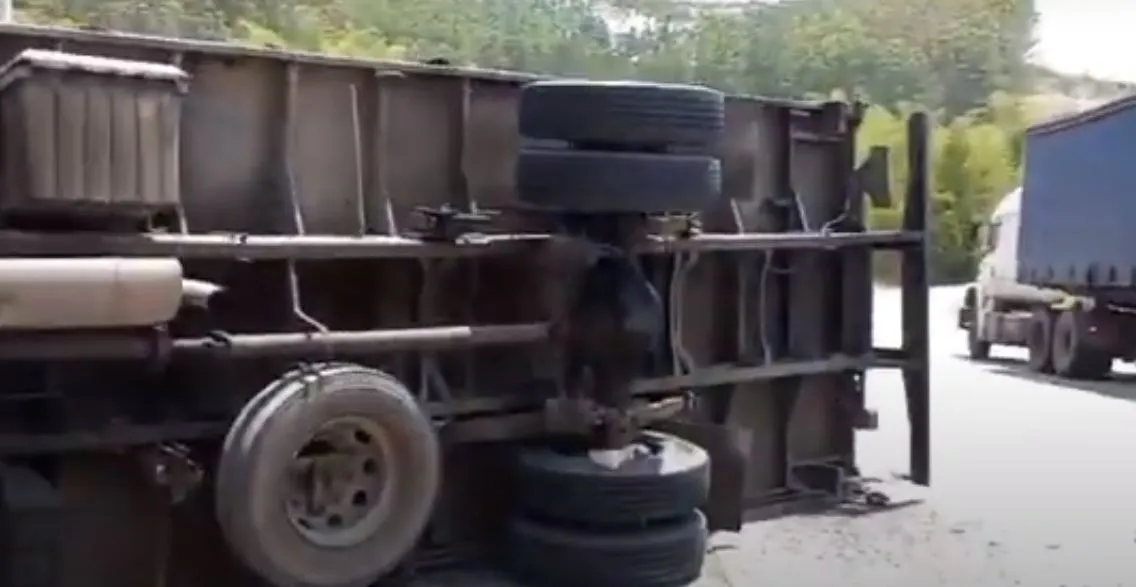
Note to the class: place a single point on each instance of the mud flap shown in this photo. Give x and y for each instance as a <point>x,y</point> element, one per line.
<point>725,510</point>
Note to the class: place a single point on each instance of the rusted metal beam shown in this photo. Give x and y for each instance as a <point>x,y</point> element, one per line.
<point>485,421</point>
<point>320,247</point>
<point>704,377</point>
<point>40,346</point>
<point>738,374</point>
<point>490,427</point>
<point>367,341</point>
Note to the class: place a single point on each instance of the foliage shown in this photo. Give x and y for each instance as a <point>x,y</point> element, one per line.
<point>974,163</point>
<point>964,60</point>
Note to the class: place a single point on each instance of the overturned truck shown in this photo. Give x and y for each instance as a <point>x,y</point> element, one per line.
<point>293,320</point>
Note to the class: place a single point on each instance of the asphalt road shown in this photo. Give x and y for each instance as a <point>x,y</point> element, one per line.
<point>1033,484</point>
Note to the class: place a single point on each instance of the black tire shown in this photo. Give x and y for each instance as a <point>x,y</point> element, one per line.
<point>664,555</point>
<point>611,182</point>
<point>1073,355</point>
<point>265,438</point>
<point>1039,341</point>
<point>569,487</point>
<point>632,114</point>
<point>253,408</point>
<point>976,348</point>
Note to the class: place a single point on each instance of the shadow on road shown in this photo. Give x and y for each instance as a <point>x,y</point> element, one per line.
<point>1118,385</point>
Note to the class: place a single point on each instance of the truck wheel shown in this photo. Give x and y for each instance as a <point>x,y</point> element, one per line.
<point>1039,341</point>
<point>977,349</point>
<point>662,555</point>
<point>631,114</point>
<point>613,182</point>
<point>667,480</point>
<point>327,477</point>
<point>1073,356</point>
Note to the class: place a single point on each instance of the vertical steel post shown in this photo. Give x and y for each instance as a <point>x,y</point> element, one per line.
<point>785,339</point>
<point>915,293</point>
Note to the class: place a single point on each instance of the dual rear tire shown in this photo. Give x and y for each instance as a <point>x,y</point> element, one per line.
<point>1060,343</point>
<point>663,554</point>
<point>619,147</point>
<point>632,525</point>
<point>615,148</point>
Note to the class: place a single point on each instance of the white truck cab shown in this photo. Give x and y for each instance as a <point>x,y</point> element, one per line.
<point>998,268</point>
<point>1076,312</point>
<point>996,307</point>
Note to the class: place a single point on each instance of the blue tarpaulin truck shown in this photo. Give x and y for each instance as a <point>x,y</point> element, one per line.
<point>1059,273</point>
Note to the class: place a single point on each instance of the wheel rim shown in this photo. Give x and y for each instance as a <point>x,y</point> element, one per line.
<point>336,490</point>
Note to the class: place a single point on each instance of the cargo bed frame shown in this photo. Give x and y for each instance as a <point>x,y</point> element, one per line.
<point>777,315</point>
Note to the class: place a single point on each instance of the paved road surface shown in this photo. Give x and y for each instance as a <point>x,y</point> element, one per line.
<point>1034,485</point>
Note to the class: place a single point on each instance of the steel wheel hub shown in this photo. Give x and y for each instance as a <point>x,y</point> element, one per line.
<point>336,484</point>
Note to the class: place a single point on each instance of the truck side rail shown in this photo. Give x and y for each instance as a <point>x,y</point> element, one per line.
<point>298,247</point>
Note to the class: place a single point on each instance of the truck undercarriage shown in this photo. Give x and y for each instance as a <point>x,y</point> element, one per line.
<point>295,320</point>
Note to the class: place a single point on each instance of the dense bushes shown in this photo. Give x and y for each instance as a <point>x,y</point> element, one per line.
<point>976,158</point>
